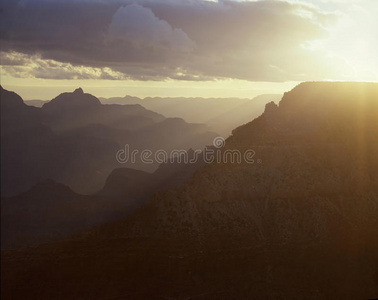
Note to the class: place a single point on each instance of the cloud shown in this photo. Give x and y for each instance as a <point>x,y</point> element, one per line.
<point>26,66</point>
<point>139,26</point>
<point>160,39</point>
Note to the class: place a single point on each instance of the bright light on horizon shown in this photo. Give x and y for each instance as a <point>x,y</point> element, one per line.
<point>47,89</point>
<point>235,49</point>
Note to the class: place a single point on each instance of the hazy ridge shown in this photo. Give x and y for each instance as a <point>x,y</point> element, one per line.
<point>300,223</point>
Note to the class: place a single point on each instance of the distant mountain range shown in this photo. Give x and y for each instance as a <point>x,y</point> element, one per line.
<point>51,211</point>
<point>221,114</point>
<point>73,139</point>
<point>299,221</point>
<point>35,103</point>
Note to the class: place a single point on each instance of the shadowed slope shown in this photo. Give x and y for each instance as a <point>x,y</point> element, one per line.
<point>301,222</point>
<point>50,211</point>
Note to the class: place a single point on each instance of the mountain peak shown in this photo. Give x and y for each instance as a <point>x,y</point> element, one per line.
<point>78,91</point>
<point>271,107</point>
<point>75,100</point>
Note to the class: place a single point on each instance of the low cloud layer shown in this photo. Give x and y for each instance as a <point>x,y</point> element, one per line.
<point>25,66</point>
<point>159,39</point>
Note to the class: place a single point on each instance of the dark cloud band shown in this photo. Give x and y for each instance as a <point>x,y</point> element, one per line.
<point>190,40</point>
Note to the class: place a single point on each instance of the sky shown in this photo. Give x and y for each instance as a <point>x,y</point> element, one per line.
<point>190,48</point>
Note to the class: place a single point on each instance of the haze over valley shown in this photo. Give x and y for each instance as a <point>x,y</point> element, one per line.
<point>189,149</point>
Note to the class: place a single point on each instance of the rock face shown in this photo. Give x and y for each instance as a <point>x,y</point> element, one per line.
<point>299,222</point>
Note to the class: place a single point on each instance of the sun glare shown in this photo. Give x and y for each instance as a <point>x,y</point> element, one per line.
<point>354,41</point>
